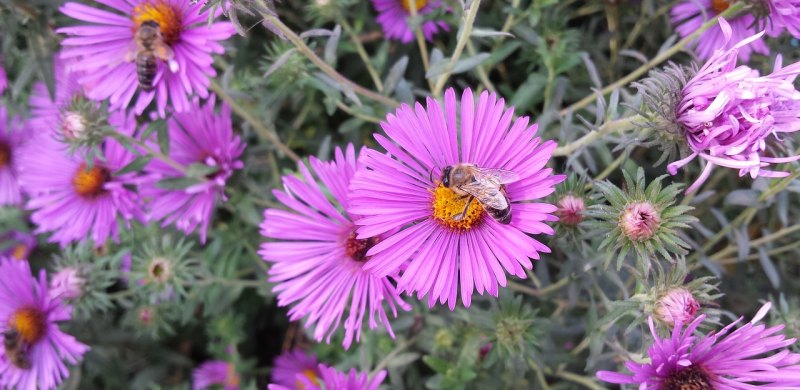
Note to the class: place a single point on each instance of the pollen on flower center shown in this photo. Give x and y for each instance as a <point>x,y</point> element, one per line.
<point>5,154</point>
<point>311,375</point>
<point>29,323</point>
<point>447,206</point>
<point>357,249</point>
<point>690,378</point>
<point>89,183</point>
<point>159,11</point>
<point>420,4</point>
<point>20,251</point>
<point>720,5</point>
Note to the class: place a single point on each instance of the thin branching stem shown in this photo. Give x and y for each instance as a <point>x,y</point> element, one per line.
<point>466,32</point>
<point>152,152</point>
<point>362,52</point>
<point>614,126</point>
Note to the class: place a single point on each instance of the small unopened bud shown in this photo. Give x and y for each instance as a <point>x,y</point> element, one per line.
<point>73,125</point>
<point>146,316</point>
<point>640,221</point>
<point>67,283</point>
<point>677,305</point>
<point>159,270</point>
<point>570,210</point>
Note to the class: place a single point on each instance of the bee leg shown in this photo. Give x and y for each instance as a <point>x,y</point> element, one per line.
<point>463,214</point>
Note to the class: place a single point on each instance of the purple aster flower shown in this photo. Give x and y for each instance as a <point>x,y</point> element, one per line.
<point>75,200</point>
<point>28,317</point>
<point>13,136</point>
<point>718,360</point>
<point>215,373</point>
<point>106,50</point>
<point>689,15</point>
<point>393,17</point>
<point>17,245</point>
<point>203,137</point>
<point>293,363</point>
<point>317,261</point>
<point>449,237</point>
<point>783,15</point>
<point>731,115</point>
<point>331,379</point>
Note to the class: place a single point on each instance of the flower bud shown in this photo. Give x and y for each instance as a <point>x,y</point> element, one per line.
<point>677,305</point>
<point>73,125</point>
<point>640,221</point>
<point>67,284</point>
<point>570,210</point>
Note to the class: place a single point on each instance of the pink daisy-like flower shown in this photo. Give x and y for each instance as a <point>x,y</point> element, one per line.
<point>215,373</point>
<point>106,50</point>
<point>445,238</point>
<point>331,379</point>
<point>689,15</point>
<point>73,200</point>
<point>293,363</point>
<point>393,17</point>
<point>731,114</point>
<point>28,317</point>
<point>13,136</point>
<point>17,245</point>
<point>783,15</point>
<point>725,360</point>
<point>317,261</point>
<point>199,136</point>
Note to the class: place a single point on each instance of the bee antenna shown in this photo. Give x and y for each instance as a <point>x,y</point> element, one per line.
<point>430,174</point>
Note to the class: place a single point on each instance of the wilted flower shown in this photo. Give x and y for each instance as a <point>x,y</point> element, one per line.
<point>730,115</point>
<point>215,373</point>
<point>203,141</point>
<point>28,316</point>
<point>67,283</point>
<point>331,379</point>
<point>75,198</point>
<point>13,134</point>
<point>441,239</point>
<point>17,245</point>
<point>292,363</point>
<point>689,15</point>
<point>105,51</point>
<point>717,360</point>
<point>318,263</point>
<point>393,16</point>
<point>643,218</point>
<point>677,306</point>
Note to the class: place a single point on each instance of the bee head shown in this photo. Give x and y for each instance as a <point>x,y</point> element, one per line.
<point>446,175</point>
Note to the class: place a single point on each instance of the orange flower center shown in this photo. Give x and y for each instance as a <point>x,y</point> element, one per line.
<point>720,5</point>
<point>311,375</point>
<point>420,4</point>
<point>89,183</point>
<point>5,154</point>
<point>159,11</point>
<point>19,252</point>
<point>232,378</point>
<point>448,209</point>
<point>29,323</point>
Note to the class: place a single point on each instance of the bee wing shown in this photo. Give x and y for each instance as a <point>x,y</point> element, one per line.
<point>488,195</point>
<point>163,51</point>
<point>133,49</point>
<point>496,175</point>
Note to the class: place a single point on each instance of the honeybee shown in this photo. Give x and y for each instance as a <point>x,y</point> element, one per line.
<point>16,349</point>
<point>149,48</point>
<point>487,185</point>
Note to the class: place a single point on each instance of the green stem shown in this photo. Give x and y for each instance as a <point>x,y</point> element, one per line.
<point>482,75</point>
<point>466,31</point>
<point>259,127</point>
<point>663,56</point>
<point>579,379</point>
<point>323,66</point>
<point>542,291</point>
<point>755,243</point>
<point>396,351</point>
<point>349,110</point>
<point>155,153</point>
<point>607,128</point>
<point>421,43</point>
<point>363,54</point>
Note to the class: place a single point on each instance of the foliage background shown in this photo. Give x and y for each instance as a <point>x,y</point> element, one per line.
<point>555,329</point>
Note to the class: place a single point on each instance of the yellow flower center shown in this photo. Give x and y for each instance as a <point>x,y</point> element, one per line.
<point>19,252</point>
<point>720,5</point>
<point>89,183</point>
<point>420,4</point>
<point>5,154</point>
<point>159,11</point>
<point>311,375</point>
<point>447,206</point>
<point>29,323</point>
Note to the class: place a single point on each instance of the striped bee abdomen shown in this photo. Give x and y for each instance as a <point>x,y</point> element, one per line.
<point>146,66</point>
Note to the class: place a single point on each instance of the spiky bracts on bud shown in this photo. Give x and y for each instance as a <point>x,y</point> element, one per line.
<point>83,124</point>
<point>82,276</point>
<point>642,218</point>
<point>164,268</point>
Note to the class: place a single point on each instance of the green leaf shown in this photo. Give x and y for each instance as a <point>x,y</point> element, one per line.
<point>136,165</point>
